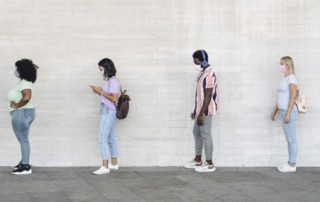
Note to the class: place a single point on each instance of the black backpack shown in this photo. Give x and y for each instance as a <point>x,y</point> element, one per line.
<point>123,105</point>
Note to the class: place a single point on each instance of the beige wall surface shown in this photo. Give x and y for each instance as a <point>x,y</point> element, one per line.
<point>151,43</point>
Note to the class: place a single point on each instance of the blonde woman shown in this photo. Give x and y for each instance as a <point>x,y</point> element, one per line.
<point>287,92</point>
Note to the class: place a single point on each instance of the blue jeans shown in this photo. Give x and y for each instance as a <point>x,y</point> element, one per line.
<point>21,122</point>
<point>107,140</point>
<point>290,132</point>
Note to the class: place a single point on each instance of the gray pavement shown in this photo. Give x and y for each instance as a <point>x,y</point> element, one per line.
<point>172,184</point>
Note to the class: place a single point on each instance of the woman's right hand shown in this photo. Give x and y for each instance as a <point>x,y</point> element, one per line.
<point>273,114</point>
<point>14,105</point>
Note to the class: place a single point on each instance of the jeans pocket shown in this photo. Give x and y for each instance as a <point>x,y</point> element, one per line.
<point>29,114</point>
<point>103,110</point>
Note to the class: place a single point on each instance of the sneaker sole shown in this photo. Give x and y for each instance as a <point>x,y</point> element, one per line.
<point>189,167</point>
<point>206,171</point>
<point>101,173</point>
<point>287,171</point>
<point>23,173</point>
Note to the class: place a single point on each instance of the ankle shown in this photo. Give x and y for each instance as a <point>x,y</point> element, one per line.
<point>209,162</point>
<point>198,158</point>
<point>114,161</point>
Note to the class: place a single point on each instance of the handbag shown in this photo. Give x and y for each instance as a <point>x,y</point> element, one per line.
<point>301,101</point>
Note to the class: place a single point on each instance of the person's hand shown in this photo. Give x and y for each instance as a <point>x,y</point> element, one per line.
<point>200,120</point>
<point>96,89</point>
<point>192,116</point>
<point>286,118</point>
<point>14,105</point>
<point>273,114</point>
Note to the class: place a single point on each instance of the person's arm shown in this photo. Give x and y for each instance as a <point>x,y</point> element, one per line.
<point>26,96</point>
<point>206,102</point>
<point>274,112</point>
<point>113,97</point>
<point>293,95</point>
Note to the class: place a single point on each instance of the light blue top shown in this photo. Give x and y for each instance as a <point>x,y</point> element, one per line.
<point>284,91</point>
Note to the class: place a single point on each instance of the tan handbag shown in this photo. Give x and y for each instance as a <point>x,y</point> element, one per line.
<point>301,101</point>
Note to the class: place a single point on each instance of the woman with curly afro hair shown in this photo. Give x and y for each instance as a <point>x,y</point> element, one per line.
<point>22,110</point>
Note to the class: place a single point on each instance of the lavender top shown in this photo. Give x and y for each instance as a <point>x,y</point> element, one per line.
<point>111,86</point>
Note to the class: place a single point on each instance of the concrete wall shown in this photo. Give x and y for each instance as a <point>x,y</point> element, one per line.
<point>151,43</point>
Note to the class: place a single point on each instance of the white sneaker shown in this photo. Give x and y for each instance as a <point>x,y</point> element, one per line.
<point>113,167</point>
<point>281,166</point>
<point>193,164</point>
<point>102,170</point>
<point>288,169</point>
<point>205,169</point>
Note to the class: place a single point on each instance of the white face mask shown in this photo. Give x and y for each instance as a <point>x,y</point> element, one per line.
<point>103,76</point>
<point>198,68</point>
<point>16,73</point>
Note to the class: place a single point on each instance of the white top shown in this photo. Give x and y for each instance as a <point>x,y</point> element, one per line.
<point>284,91</point>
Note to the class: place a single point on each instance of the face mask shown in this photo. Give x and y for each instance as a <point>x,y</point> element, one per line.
<point>16,73</point>
<point>103,76</point>
<point>198,68</point>
<point>282,68</point>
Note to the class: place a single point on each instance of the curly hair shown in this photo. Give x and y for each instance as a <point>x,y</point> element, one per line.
<point>27,70</point>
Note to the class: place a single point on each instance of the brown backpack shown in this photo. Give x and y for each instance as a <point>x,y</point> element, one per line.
<point>123,105</point>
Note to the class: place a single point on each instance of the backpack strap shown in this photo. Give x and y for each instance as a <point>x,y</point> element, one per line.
<point>115,103</point>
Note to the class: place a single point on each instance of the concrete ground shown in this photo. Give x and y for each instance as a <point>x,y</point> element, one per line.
<point>160,184</point>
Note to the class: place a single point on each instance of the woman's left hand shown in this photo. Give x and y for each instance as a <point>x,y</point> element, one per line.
<point>286,118</point>
<point>14,105</point>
